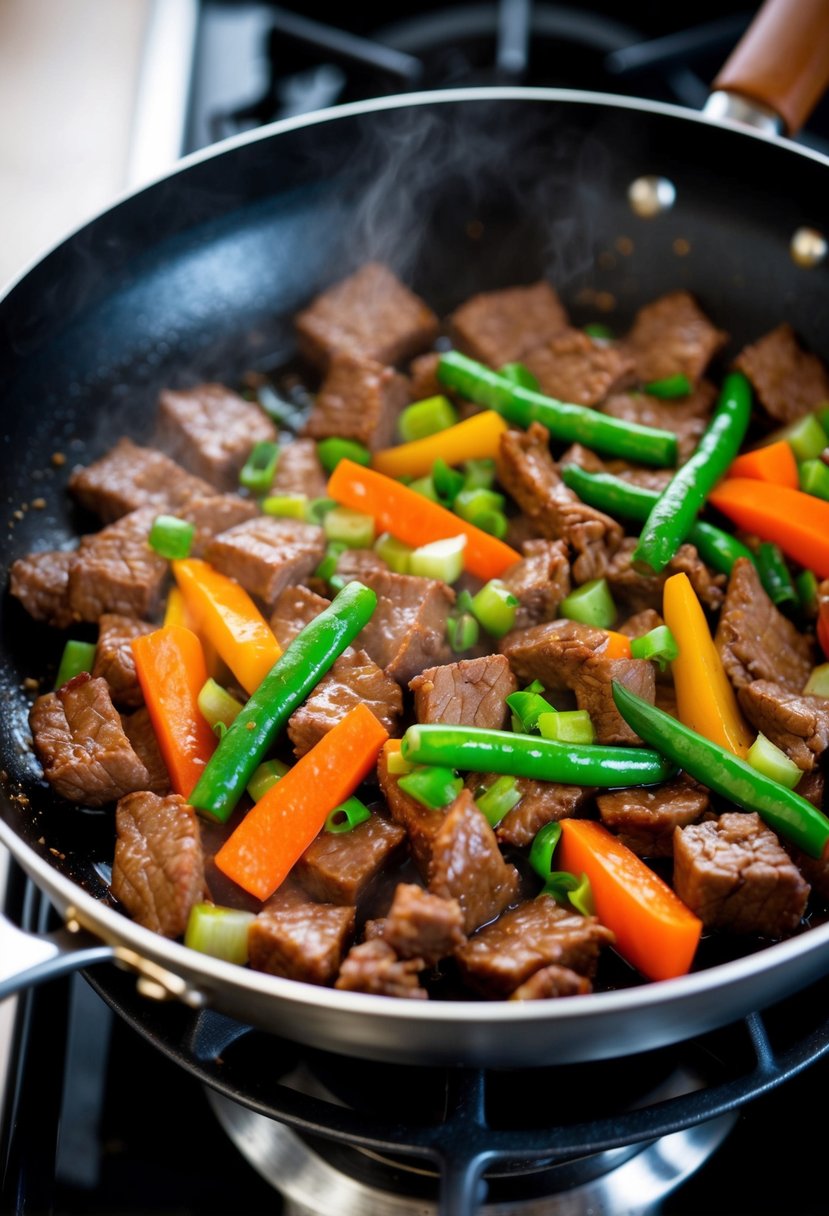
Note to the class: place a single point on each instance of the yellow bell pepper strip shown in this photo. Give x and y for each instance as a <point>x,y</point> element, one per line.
<point>414,519</point>
<point>705,700</point>
<point>171,671</point>
<point>654,930</point>
<point>228,618</point>
<point>797,522</point>
<point>175,610</point>
<point>260,853</point>
<point>476,438</point>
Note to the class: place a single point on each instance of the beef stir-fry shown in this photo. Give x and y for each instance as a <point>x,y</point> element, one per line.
<point>501,674</point>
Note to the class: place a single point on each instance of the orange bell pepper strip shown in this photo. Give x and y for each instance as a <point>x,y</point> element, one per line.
<point>263,849</point>
<point>774,463</point>
<point>475,438</point>
<point>414,519</point>
<point>617,645</point>
<point>705,700</point>
<point>797,522</point>
<point>229,620</point>
<point>654,930</point>
<point>171,671</point>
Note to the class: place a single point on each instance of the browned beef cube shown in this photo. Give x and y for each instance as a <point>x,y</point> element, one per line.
<point>295,608</point>
<point>407,632</point>
<point>113,657</point>
<point>755,641</point>
<point>79,740</point>
<point>139,730</point>
<point>498,327</point>
<point>634,592</point>
<point>421,925</point>
<point>551,652</point>
<point>572,367</point>
<point>541,802</point>
<point>337,867</point>
<point>536,934</point>
<point>687,418</point>
<point>797,724</point>
<point>353,679</point>
<point>787,379</point>
<point>129,477</point>
<point>116,571</point>
<point>359,399</point>
<point>158,869</point>
<point>211,430</point>
<point>214,514</point>
<point>812,787</point>
<point>40,582</point>
<point>471,692</point>
<point>735,875</point>
<point>420,822</point>
<point>374,967</point>
<point>423,377</point>
<point>527,472</point>
<point>267,554</point>
<point>644,819</point>
<point>371,314</point>
<point>299,471</point>
<point>592,685</point>
<point>640,623</point>
<point>301,940</point>
<point>539,581</point>
<point>672,336</point>
<point>357,563</point>
<point>467,864</point>
<point>551,982</point>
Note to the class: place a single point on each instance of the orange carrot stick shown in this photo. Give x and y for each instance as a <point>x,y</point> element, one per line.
<point>617,645</point>
<point>273,836</point>
<point>774,463</point>
<point>475,438</point>
<point>797,522</point>
<point>654,930</point>
<point>414,519</point>
<point>171,671</point>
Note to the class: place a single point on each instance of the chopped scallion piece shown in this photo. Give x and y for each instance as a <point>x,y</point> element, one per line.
<point>659,644</point>
<point>571,726</point>
<point>426,417</point>
<point>171,537</point>
<point>462,632</point>
<point>566,889</point>
<point>328,566</point>
<point>217,706</point>
<point>669,387</point>
<point>77,657</point>
<point>317,509</point>
<point>290,506</point>
<point>351,528</point>
<point>493,522</point>
<point>596,330</point>
<point>814,478</point>
<point>806,437</point>
<point>347,816</point>
<point>426,487</point>
<point>394,553</point>
<point>258,471</point>
<point>220,932</point>
<point>772,762</point>
<point>806,585</point>
<point>470,503</point>
<point>542,849</point>
<point>582,897</point>
<point>495,606</point>
<point>527,706</point>
<point>277,409</point>
<point>441,559</point>
<point>817,684</point>
<point>266,775</point>
<point>497,799</point>
<point>448,482</point>
<point>591,604</point>
<point>432,786</point>
<point>478,474</point>
<point>518,374</point>
<point>332,451</point>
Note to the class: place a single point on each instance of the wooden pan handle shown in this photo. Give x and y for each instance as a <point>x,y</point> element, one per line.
<point>782,62</point>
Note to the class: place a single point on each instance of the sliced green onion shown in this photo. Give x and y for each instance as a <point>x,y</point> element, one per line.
<point>806,586</point>
<point>398,765</point>
<point>596,329</point>
<point>571,726</point>
<point>346,816</point>
<point>493,522</point>
<point>394,553</point>
<point>462,632</point>
<point>582,897</point>
<point>448,482</point>
<point>526,707</point>
<point>775,574</point>
<point>263,777</point>
<point>277,409</point>
<point>495,606</point>
<point>494,802</point>
<point>318,508</point>
<point>817,684</point>
<point>171,537</point>
<point>220,932</point>
<point>814,478</point>
<point>565,889</point>
<point>328,566</point>
<point>478,474</point>
<point>290,506</point>
<point>426,487</point>
<point>427,417</point>
<point>432,785</point>
<point>77,657</point>
<point>470,503</point>
<point>518,374</point>
<point>767,758</point>
<point>822,415</point>
<point>591,604</point>
<point>806,437</point>
<point>659,644</point>
<point>336,582</point>
<point>441,559</point>
<point>217,706</point>
<point>351,528</point>
<point>542,849</point>
<point>258,471</point>
<point>669,387</point>
<point>332,451</point>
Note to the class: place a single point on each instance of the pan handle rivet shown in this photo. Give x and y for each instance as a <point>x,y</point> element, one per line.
<point>651,195</point>
<point>808,247</point>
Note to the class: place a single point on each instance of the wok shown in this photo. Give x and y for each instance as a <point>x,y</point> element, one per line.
<point>197,276</point>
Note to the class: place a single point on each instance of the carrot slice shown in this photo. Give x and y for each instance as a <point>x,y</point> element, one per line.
<point>654,930</point>
<point>774,463</point>
<point>475,438</point>
<point>617,645</point>
<point>171,671</point>
<point>797,522</point>
<point>414,519</point>
<point>273,836</point>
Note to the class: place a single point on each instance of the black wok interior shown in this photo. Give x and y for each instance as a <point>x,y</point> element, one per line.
<point>197,277</point>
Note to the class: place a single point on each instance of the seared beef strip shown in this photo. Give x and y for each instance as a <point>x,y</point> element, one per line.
<point>536,934</point>
<point>539,581</point>
<point>591,682</point>
<point>158,868</point>
<point>115,570</point>
<point>687,418</point>
<point>672,336</point>
<point>214,514</point>
<point>423,377</point>
<point>572,367</point>
<point>294,937</point>
<point>40,582</point>
<point>812,787</point>
<point>354,678</point>
<point>113,657</point>
<point>268,553</point>
<point>735,875</point>
<point>551,982</point>
<point>212,430</point>
<point>640,623</point>
<point>527,472</point>
<point>79,740</point>
<point>337,867</point>
<point>471,692</point>
<point>634,592</point>
<point>789,381</point>
<point>130,476</point>
<point>359,399</point>
<point>754,640</point>
<point>407,632</point>
<point>295,608</point>
<point>644,819</point>
<point>797,724</point>
<point>139,730</point>
<point>370,314</point>
<point>467,865</point>
<point>373,967</point>
<point>498,327</point>
<point>299,471</point>
<point>541,802</point>
<point>422,925</point>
